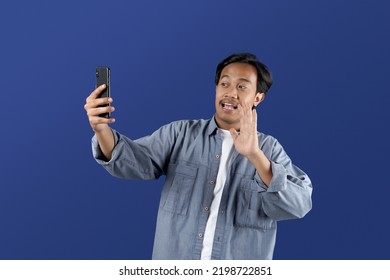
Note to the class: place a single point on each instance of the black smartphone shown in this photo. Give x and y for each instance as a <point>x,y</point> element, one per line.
<point>103,77</point>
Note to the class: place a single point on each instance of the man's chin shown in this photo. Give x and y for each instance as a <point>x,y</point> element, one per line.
<point>226,122</point>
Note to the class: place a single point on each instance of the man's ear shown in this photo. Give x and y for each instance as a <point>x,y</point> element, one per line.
<point>258,98</point>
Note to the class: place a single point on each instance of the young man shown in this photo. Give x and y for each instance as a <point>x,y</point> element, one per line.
<point>226,184</point>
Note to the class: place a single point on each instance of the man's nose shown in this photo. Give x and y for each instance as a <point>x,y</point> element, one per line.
<point>232,93</point>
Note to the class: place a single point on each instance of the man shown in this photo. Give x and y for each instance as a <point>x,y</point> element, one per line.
<point>226,184</point>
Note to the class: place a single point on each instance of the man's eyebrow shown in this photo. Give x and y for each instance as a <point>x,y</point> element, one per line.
<point>240,79</point>
<point>245,80</point>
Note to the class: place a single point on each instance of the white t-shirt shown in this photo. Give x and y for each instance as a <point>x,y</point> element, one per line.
<point>225,161</point>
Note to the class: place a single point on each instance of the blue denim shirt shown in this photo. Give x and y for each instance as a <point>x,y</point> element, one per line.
<point>188,153</point>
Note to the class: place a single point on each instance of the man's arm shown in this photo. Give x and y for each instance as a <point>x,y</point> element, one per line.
<point>100,125</point>
<point>288,189</point>
<point>145,158</point>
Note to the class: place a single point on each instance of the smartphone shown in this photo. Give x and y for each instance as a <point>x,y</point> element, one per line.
<point>103,77</point>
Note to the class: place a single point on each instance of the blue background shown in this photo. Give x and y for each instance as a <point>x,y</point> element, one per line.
<point>329,107</point>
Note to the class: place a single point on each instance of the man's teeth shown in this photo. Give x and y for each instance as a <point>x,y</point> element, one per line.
<point>229,106</point>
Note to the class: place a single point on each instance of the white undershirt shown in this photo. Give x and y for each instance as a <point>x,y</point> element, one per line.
<point>225,160</point>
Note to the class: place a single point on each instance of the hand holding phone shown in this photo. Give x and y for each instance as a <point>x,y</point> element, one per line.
<point>103,77</point>
<point>97,104</point>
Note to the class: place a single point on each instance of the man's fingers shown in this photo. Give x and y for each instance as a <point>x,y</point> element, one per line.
<point>93,103</point>
<point>96,93</point>
<point>254,116</point>
<point>96,106</point>
<point>100,110</point>
<point>234,134</point>
<point>95,120</point>
<point>245,115</point>
<point>101,101</point>
<point>241,110</point>
<point>248,119</point>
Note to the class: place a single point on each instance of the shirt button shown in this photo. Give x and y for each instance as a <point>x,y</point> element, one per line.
<point>217,156</point>
<point>222,212</point>
<point>211,182</point>
<point>206,209</point>
<point>200,235</point>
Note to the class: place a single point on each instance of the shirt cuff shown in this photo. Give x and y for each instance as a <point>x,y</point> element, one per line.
<point>278,181</point>
<point>97,152</point>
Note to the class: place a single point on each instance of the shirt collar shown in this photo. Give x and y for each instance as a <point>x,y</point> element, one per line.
<point>212,126</point>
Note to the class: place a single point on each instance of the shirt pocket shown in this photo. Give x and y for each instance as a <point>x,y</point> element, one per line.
<point>180,191</point>
<point>249,210</point>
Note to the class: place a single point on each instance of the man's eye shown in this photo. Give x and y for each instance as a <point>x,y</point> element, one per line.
<point>223,84</point>
<point>241,87</point>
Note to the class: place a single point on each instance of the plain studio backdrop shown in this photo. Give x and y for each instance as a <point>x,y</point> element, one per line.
<point>329,107</point>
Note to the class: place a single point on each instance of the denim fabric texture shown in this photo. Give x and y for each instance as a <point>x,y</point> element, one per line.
<point>187,152</point>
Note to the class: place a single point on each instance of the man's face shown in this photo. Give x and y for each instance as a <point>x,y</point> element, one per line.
<point>237,85</point>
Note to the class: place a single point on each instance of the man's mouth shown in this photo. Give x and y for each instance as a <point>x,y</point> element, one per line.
<point>229,106</point>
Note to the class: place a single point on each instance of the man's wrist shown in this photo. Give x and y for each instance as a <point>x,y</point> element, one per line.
<point>255,155</point>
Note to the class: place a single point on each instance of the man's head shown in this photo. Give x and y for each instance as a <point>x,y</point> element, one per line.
<point>264,78</point>
<point>240,79</point>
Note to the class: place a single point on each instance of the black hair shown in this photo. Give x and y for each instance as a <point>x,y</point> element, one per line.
<point>264,77</point>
